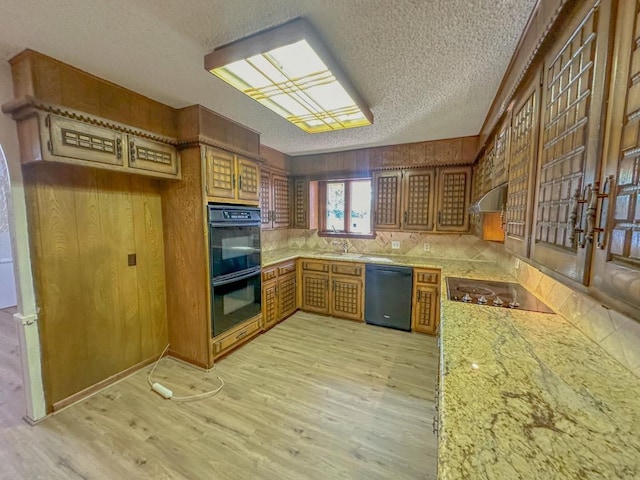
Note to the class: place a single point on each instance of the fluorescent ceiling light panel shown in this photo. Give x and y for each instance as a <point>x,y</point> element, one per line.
<point>288,69</point>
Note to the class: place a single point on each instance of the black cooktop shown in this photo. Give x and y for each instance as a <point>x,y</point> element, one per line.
<point>493,294</point>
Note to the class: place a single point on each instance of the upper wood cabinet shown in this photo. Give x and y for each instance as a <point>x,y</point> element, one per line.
<point>275,200</point>
<point>522,163</point>
<point>231,178</point>
<point>80,139</point>
<point>304,203</point>
<point>403,199</point>
<point>573,96</point>
<point>616,268</point>
<point>453,197</point>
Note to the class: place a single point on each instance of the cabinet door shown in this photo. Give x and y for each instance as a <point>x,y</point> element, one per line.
<point>315,292</point>
<point>617,258</point>
<point>265,199</point>
<point>248,180</point>
<point>152,156</point>
<point>522,163</point>
<point>575,74</point>
<point>287,294</point>
<point>425,314</point>
<point>77,140</point>
<point>418,187</point>
<point>386,200</point>
<point>281,204</point>
<point>454,185</point>
<point>300,203</point>
<point>269,304</point>
<point>346,297</point>
<point>220,174</point>
<point>501,152</point>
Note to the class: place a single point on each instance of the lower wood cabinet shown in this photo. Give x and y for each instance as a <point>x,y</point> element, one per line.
<point>425,312</point>
<point>235,337</point>
<point>333,288</point>
<point>279,293</point>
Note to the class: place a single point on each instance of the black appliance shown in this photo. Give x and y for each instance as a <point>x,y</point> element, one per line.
<point>234,256</point>
<point>387,300</point>
<point>493,294</point>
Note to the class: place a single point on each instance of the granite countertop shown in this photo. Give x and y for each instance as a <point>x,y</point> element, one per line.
<point>522,395</point>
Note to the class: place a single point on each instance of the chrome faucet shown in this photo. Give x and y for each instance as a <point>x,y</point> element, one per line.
<point>344,244</point>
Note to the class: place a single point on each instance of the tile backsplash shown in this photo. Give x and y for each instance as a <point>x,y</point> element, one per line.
<point>455,246</point>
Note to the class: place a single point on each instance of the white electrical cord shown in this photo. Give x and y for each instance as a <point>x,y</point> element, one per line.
<point>168,394</point>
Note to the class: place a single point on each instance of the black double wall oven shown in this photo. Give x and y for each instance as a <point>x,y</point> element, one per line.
<point>234,256</point>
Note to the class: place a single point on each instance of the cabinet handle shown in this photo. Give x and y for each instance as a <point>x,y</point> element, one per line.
<point>600,228</point>
<point>439,217</point>
<point>233,181</point>
<point>240,182</point>
<point>241,334</point>
<point>419,295</point>
<point>118,148</point>
<point>582,222</point>
<point>404,217</point>
<point>132,151</point>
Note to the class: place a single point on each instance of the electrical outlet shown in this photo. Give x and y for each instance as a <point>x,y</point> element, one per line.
<point>395,244</point>
<point>427,247</point>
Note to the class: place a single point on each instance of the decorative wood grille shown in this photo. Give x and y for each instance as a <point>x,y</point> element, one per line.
<point>625,235</point>
<point>86,141</point>
<point>281,200</point>
<point>566,115</point>
<point>222,172</point>
<point>453,212</point>
<point>249,178</point>
<point>386,198</point>
<point>265,200</point>
<point>271,304</point>
<point>419,190</point>
<point>487,171</point>
<point>287,288</point>
<point>315,292</point>
<point>151,155</point>
<point>346,299</point>
<point>499,171</point>
<point>300,203</point>
<point>519,168</point>
<point>425,308</point>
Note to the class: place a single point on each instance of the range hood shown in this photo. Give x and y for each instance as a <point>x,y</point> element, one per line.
<point>493,201</point>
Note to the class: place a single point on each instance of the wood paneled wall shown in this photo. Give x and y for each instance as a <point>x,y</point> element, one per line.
<point>454,151</point>
<point>274,158</point>
<point>55,82</point>
<point>98,316</point>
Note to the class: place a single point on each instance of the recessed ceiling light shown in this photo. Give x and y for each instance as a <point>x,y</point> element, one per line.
<point>288,69</point>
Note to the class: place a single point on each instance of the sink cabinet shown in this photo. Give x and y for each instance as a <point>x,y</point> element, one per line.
<point>333,288</point>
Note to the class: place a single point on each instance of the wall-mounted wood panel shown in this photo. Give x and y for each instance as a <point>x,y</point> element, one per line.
<point>98,315</point>
<point>454,151</point>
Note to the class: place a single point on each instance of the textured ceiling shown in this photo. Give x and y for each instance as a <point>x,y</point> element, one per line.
<point>428,69</point>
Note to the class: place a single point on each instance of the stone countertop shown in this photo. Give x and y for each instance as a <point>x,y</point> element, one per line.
<point>522,395</point>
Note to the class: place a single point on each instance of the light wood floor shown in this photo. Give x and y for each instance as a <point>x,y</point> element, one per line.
<point>12,401</point>
<point>313,398</point>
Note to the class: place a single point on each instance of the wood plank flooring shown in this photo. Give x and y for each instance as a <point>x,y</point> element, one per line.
<point>313,398</point>
<point>12,401</point>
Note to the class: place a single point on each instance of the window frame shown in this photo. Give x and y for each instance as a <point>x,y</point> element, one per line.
<point>322,208</point>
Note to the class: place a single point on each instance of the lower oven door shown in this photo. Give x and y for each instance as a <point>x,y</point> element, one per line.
<point>234,300</point>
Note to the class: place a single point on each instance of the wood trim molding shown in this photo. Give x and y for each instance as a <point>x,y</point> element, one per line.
<point>22,108</point>
<point>198,140</point>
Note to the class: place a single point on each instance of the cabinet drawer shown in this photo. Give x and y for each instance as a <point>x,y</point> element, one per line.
<point>286,268</point>
<point>431,277</point>
<point>315,266</point>
<point>354,269</point>
<point>238,336</point>
<point>269,274</point>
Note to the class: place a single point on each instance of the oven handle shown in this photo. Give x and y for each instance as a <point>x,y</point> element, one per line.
<point>235,224</point>
<point>236,277</point>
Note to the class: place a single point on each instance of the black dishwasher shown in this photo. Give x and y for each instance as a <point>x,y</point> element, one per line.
<point>387,296</point>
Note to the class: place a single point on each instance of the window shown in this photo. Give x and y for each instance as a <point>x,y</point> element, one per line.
<point>345,207</point>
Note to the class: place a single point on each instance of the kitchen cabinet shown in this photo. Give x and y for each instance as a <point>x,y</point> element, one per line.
<point>614,225</point>
<point>279,293</point>
<point>230,178</point>
<point>403,199</point>
<point>304,203</point>
<point>333,288</point>
<point>425,312</point>
<point>453,197</point>
<point>274,199</point>
<point>522,162</point>
<point>573,98</point>
<point>77,138</point>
